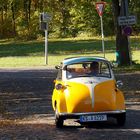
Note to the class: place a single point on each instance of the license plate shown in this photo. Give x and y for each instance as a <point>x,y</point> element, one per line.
<point>90,118</point>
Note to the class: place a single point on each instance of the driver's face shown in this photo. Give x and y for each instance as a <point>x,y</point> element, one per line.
<point>95,67</point>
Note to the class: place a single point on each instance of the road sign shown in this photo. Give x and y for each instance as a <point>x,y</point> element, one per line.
<point>100,7</point>
<point>127,20</point>
<point>45,17</point>
<point>127,30</point>
<point>43,26</point>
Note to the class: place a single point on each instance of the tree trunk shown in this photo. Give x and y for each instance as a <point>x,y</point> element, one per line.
<point>2,22</point>
<point>13,18</point>
<point>122,46</point>
<point>26,13</point>
<point>29,10</point>
<point>65,17</point>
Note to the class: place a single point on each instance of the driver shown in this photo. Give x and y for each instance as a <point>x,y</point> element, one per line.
<point>94,68</point>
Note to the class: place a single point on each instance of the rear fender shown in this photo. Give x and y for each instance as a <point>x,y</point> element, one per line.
<point>120,101</point>
<point>58,98</point>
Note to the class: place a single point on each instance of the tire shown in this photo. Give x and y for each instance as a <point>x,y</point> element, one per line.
<point>121,118</point>
<point>58,120</point>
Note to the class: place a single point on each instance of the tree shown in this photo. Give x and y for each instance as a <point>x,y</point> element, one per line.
<point>71,18</point>
<point>122,46</point>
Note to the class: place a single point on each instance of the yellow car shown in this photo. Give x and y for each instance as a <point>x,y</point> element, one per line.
<point>86,90</point>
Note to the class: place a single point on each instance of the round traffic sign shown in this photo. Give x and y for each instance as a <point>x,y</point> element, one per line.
<point>127,30</point>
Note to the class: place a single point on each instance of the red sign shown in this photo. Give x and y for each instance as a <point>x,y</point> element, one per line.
<point>100,7</point>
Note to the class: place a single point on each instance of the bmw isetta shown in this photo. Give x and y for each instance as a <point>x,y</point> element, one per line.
<point>86,90</point>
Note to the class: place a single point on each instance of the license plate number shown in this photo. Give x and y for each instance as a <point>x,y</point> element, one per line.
<point>90,118</point>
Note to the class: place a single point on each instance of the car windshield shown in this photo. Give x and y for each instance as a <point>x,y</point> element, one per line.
<point>88,69</point>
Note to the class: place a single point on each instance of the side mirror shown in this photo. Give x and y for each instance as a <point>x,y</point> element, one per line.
<point>57,67</point>
<point>114,65</point>
<point>119,83</point>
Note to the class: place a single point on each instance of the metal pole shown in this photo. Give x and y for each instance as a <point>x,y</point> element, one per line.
<point>126,8</point>
<point>102,32</point>
<point>129,49</point>
<point>46,47</point>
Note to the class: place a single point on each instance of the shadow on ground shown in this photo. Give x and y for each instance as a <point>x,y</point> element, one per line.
<point>26,96</point>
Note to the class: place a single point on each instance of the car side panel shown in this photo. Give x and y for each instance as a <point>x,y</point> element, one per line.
<point>74,98</point>
<point>58,98</point>
<point>120,101</point>
<point>77,98</point>
<point>105,96</point>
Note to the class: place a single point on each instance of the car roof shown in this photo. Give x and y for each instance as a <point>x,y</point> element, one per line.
<point>74,60</point>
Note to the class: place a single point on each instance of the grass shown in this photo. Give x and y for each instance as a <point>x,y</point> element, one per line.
<point>36,48</point>
<point>31,53</point>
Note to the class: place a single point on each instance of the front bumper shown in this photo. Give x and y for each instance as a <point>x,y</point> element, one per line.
<point>77,115</point>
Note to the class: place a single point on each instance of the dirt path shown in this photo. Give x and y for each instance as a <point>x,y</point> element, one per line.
<point>26,96</point>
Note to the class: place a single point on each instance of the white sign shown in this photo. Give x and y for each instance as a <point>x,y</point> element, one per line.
<point>45,17</point>
<point>127,20</point>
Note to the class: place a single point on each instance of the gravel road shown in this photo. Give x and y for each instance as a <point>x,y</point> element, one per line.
<point>26,111</point>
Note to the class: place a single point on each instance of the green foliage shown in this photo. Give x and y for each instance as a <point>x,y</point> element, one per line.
<point>71,18</point>
<point>135,10</point>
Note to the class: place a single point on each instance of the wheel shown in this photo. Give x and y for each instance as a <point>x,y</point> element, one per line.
<point>121,118</point>
<point>58,120</point>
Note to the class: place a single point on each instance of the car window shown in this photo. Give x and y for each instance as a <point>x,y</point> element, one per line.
<point>76,70</point>
<point>104,70</point>
<point>88,69</point>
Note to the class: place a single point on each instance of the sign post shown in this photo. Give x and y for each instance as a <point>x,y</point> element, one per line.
<point>44,19</point>
<point>102,32</point>
<point>100,7</point>
<point>46,46</point>
<point>125,21</point>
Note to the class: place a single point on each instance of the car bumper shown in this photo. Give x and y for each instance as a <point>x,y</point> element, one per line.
<point>77,115</point>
